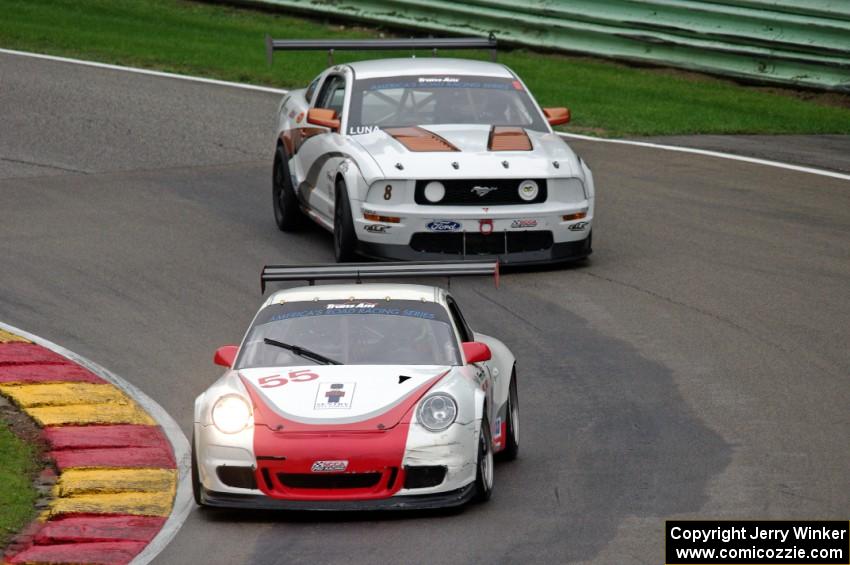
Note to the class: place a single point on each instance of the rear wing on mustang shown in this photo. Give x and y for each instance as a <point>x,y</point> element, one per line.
<point>331,45</point>
<point>359,271</point>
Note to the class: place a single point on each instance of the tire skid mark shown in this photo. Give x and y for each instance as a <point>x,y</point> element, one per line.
<point>117,472</point>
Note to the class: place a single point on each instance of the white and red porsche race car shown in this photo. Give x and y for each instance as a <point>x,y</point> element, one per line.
<point>429,159</point>
<point>367,396</point>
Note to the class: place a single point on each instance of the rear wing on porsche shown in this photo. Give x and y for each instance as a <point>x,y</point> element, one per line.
<point>331,45</point>
<point>359,271</point>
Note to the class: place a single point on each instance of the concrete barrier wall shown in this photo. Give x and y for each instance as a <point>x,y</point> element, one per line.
<point>803,42</point>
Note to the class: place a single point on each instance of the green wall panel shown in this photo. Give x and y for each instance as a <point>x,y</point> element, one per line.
<point>802,42</point>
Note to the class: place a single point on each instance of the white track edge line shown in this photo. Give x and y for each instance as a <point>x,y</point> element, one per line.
<point>709,153</point>
<point>680,149</point>
<point>183,501</point>
<point>140,71</point>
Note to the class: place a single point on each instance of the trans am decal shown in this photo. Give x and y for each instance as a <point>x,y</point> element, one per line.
<point>431,80</point>
<point>445,82</point>
<point>406,308</point>
<point>350,305</point>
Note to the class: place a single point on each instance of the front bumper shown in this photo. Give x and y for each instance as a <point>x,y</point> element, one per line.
<point>556,253</point>
<point>281,475</point>
<point>450,499</point>
<point>513,234</point>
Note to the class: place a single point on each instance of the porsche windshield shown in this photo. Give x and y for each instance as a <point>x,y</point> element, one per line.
<point>354,332</point>
<point>429,100</point>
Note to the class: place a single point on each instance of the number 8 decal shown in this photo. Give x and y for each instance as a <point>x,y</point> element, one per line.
<point>388,192</point>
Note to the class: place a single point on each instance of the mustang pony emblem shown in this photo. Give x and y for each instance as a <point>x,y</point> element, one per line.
<point>483,190</point>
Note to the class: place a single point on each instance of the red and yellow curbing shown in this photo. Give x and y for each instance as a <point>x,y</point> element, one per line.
<point>117,473</point>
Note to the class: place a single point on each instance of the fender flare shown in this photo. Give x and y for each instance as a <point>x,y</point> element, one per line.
<point>199,407</point>
<point>589,186</point>
<point>480,404</point>
<point>355,184</point>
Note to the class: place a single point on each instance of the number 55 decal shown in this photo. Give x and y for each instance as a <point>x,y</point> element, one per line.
<point>275,381</point>
<point>302,376</point>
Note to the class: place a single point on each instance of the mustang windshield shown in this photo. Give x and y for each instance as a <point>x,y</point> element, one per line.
<point>354,332</point>
<point>428,100</point>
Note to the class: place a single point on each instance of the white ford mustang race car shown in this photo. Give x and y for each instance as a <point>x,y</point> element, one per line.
<point>430,159</point>
<point>368,396</point>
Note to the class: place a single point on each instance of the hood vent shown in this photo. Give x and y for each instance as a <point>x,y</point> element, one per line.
<point>508,139</point>
<point>419,139</point>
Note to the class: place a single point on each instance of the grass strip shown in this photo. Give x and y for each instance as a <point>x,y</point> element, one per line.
<point>216,41</point>
<point>17,494</point>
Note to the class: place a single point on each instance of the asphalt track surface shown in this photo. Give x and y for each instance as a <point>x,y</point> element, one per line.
<point>696,367</point>
<point>830,152</point>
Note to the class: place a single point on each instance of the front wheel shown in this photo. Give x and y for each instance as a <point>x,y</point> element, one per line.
<point>512,426</point>
<point>345,241</point>
<point>484,474</point>
<point>287,215</point>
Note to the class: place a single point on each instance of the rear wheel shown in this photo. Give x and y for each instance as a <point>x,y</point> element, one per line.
<point>287,215</point>
<point>512,425</point>
<point>484,474</point>
<point>345,241</point>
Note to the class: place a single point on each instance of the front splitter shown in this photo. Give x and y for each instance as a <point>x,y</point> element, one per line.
<point>449,499</point>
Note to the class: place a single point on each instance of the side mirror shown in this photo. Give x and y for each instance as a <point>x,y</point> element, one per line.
<point>557,116</point>
<point>225,355</point>
<point>476,352</point>
<point>324,117</point>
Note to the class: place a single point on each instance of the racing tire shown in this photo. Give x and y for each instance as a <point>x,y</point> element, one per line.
<point>287,214</point>
<point>511,450</point>
<point>196,479</point>
<point>345,240</point>
<point>485,463</point>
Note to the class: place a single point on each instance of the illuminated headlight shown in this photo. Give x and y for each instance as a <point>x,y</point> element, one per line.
<point>437,412</point>
<point>528,190</point>
<point>231,414</point>
<point>434,191</point>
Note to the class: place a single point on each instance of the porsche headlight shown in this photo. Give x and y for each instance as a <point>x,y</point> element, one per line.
<point>434,191</point>
<point>437,412</point>
<point>231,414</point>
<point>528,190</point>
